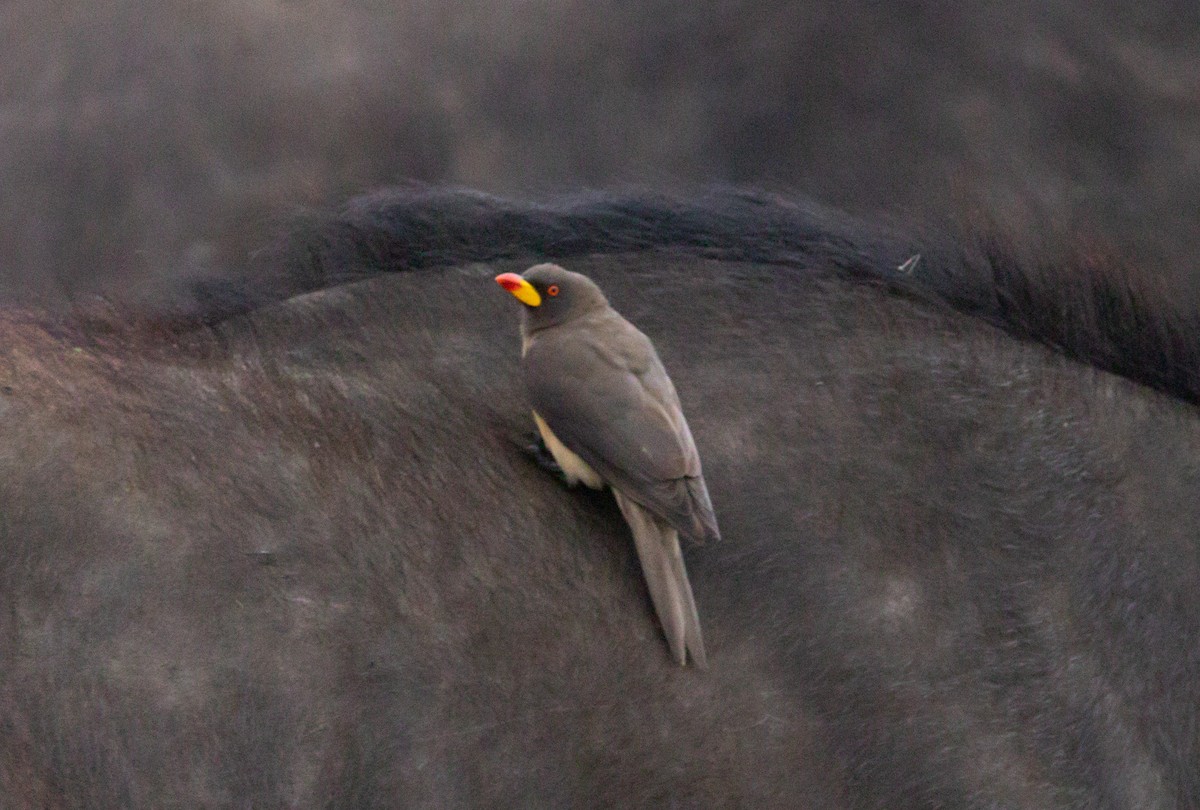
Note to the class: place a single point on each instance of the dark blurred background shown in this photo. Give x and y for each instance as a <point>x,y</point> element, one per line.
<point>152,140</point>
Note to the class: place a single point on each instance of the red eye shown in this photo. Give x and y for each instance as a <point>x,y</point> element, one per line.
<point>552,289</point>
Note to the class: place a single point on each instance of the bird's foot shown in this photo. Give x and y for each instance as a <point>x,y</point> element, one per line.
<point>544,458</point>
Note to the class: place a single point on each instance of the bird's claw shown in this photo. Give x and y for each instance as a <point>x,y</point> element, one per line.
<point>544,458</point>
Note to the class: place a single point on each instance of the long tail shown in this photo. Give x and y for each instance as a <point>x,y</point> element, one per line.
<point>666,578</point>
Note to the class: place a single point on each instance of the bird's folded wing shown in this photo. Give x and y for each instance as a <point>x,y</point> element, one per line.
<point>626,425</point>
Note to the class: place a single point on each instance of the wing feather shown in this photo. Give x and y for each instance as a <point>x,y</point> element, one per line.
<point>603,391</point>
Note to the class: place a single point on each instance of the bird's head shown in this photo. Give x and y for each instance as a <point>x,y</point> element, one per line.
<point>552,294</point>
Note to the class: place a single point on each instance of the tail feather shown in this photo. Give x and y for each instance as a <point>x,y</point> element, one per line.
<point>667,580</point>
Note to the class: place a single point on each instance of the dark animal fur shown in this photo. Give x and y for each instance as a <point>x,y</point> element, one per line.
<point>1089,306</point>
<point>300,557</point>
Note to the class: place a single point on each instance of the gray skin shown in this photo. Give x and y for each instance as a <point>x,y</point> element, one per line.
<point>609,414</point>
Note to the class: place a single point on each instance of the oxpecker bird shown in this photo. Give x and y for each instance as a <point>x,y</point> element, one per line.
<point>609,414</point>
